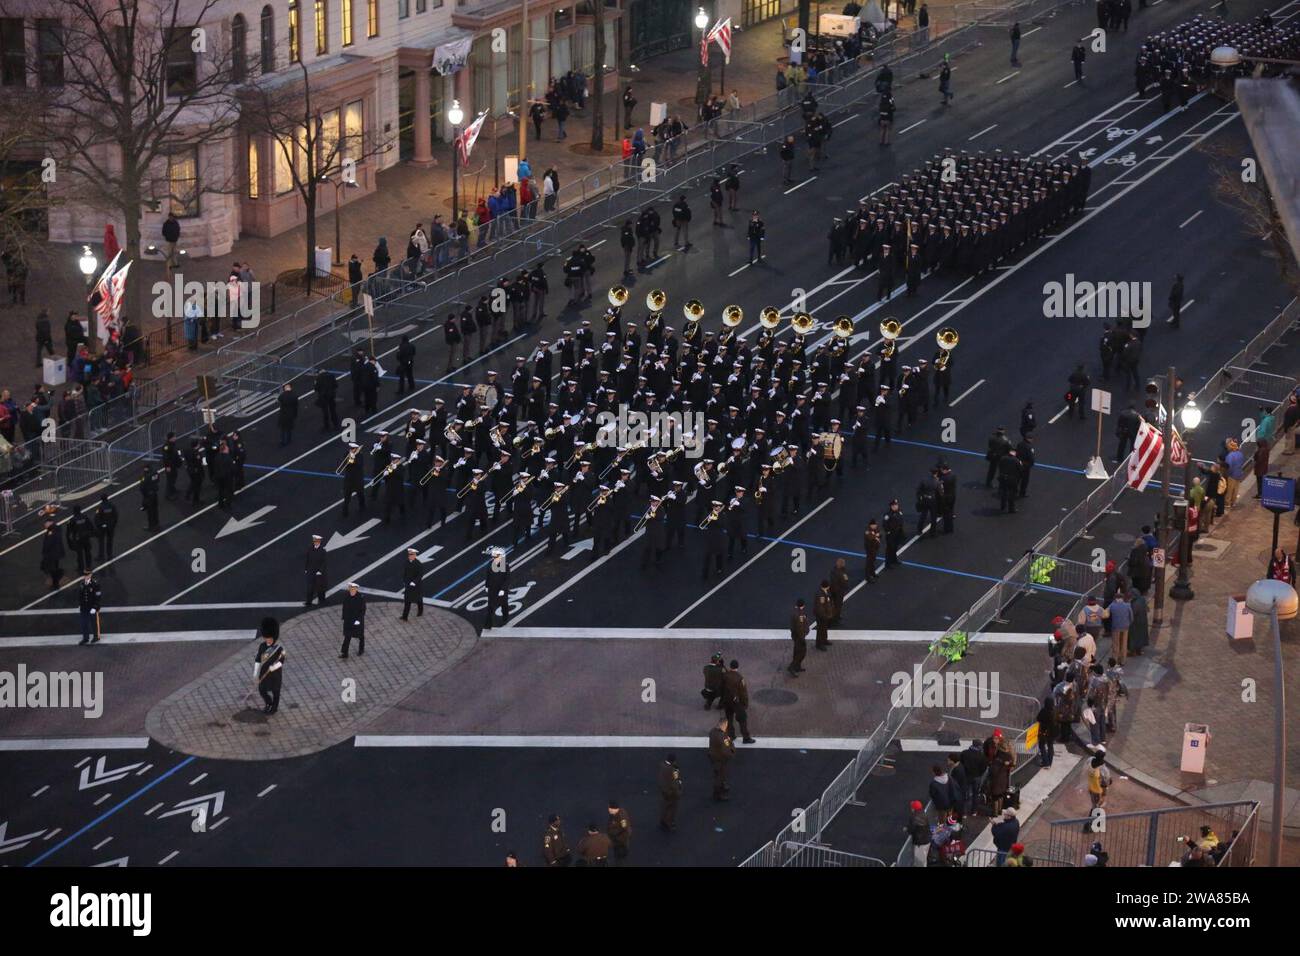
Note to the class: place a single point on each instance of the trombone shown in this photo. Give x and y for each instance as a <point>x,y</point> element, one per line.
<point>713,515</point>
<point>622,454</point>
<point>561,489</point>
<point>391,467</point>
<point>579,452</point>
<point>601,499</point>
<point>347,462</point>
<point>651,514</point>
<point>472,486</point>
<point>434,471</point>
<point>519,487</point>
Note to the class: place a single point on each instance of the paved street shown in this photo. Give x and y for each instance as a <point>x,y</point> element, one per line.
<point>597,676</point>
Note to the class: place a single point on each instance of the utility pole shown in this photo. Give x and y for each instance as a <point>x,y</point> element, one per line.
<point>1167,429</point>
<point>525,81</point>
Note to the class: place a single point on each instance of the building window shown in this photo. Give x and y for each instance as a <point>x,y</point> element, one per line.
<point>238,53</point>
<point>403,9</point>
<point>372,19</point>
<point>352,131</point>
<point>254,168</point>
<point>13,52</point>
<point>322,36</point>
<point>327,142</point>
<point>182,62</point>
<point>295,49</point>
<point>268,40</point>
<point>421,6</point>
<point>563,18</point>
<point>183,183</point>
<point>346,14</point>
<point>49,50</point>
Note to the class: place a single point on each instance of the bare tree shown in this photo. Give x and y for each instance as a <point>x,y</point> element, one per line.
<point>1253,201</point>
<point>134,83</point>
<point>282,106</point>
<point>598,81</point>
<point>24,199</point>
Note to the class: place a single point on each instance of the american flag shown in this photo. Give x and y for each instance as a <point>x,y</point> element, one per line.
<point>104,288</point>
<point>1147,452</point>
<point>465,141</point>
<point>721,34</point>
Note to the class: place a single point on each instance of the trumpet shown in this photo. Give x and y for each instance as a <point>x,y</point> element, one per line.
<point>651,514</point>
<point>760,492</point>
<point>713,516</point>
<point>472,486</point>
<point>452,433</point>
<point>432,473</point>
<point>347,462</point>
<point>391,467</point>
<point>579,452</point>
<point>519,487</point>
<point>599,500</point>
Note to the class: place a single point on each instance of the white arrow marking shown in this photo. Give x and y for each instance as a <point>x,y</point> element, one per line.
<point>197,807</point>
<point>1087,153</point>
<point>15,843</point>
<point>235,525</point>
<point>1152,140</point>
<point>120,861</point>
<point>426,555</point>
<point>578,548</point>
<point>98,775</point>
<point>337,540</point>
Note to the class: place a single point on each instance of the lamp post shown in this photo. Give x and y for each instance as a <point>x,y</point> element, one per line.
<point>455,116</point>
<point>703,82</point>
<point>88,265</point>
<point>1182,589</point>
<point>339,185</point>
<point>1278,600</point>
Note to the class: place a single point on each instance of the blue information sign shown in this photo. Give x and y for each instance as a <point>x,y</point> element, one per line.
<point>1277,493</point>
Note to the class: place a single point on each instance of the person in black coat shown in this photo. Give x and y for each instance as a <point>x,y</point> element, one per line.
<point>1009,474</point>
<point>893,534</point>
<point>498,588</point>
<point>412,584</point>
<point>940,792</point>
<point>358,375</point>
<point>105,520</point>
<point>327,388</point>
<point>149,497</point>
<point>405,365</point>
<point>288,402</point>
<point>80,532</point>
<point>270,664</point>
<point>370,385</point>
<point>354,621</point>
<point>315,570</point>
<point>1048,730</point>
<point>354,478</point>
<point>90,598</point>
<point>52,552</point>
<point>1025,452</point>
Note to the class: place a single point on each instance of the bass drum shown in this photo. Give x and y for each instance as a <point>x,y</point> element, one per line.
<point>486,396</point>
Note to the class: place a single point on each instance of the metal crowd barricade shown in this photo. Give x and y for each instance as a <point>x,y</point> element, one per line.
<point>1158,837</point>
<point>1052,573</point>
<point>1257,386</point>
<point>817,855</point>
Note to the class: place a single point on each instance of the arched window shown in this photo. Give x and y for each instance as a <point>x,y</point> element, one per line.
<point>268,40</point>
<point>238,53</point>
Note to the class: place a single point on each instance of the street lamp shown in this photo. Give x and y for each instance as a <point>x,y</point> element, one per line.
<point>703,81</point>
<point>1278,600</point>
<point>455,116</point>
<point>1191,417</point>
<point>339,185</point>
<point>88,265</point>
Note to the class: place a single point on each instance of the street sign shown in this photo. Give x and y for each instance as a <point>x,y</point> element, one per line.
<point>368,303</point>
<point>1101,401</point>
<point>1277,494</point>
<point>1157,557</point>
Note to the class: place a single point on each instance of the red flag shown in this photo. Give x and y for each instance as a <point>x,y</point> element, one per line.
<point>704,50</point>
<point>721,34</point>
<point>1146,455</point>
<point>465,141</point>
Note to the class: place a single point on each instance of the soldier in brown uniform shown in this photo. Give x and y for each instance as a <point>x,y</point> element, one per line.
<point>713,672</point>
<point>670,792</point>
<point>824,610</point>
<point>839,589</point>
<point>619,829</point>
<point>799,634</point>
<point>593,848</point>
<point>721,750</point>
<point>735,701</point>
<point>554,847</point>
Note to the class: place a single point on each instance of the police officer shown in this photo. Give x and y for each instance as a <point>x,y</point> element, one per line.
<point>412,584</point>
<point>799,635</point>
<point>721,751</point>
<point>998,446</point>
<point>149,497</point>
<point>823,613</point>
<point>619,830</point>
<point>713,672</point>
<point>406,365</point>
<point>354,621</point>
<point>1009,475</point>
<point>681,223</point>
<point>497,586</point>
<point>555,850</point>
<point>105,527</point>
<point>90,598</point>
<point>80,533</point>
<point>670,792</point>
<point>893,534</point>
<point>327,389</point>
<point>947,496</point>
<point>314,568</point>
<point>735,702</point>
<point>194,467</point>
<point>172,462</point>
<point>594,847</point>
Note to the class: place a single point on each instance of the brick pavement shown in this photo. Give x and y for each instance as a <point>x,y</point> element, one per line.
<point>217,716</point>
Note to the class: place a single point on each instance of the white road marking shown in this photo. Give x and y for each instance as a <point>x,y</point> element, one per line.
<point>153,809</point>
<point>723,583</point>
<point>135,608</point>
<point>664,258</point>
<point>740,634</point>
<point>268,790</point>
<point>172,855</point>
<point>224,819</point>
<point>1190,218</point>
<point>1007,77</point>
<point>846,119</point>
<point>1070,84</point>
<point>102,843</point>
<point>197,779</point>
<point>579,576</point>
<point>1027,32</point>
<point>965,393</point>
<point>400,549</point>
<point>863,583</point>
<point>800,186</point>
<point>697,742</point>
<point>74,743</point>
<point>913,126</point>
<point>1056,417</point>
<point>39,792</point>
<point>142,637</point>
<point>982,132</point>
<point>736,272</point>
<point>102,799</point>
<point>79,763</point>
<point>52,833</point>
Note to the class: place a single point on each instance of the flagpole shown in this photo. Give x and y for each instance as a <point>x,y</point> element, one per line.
<point>1166,470</point>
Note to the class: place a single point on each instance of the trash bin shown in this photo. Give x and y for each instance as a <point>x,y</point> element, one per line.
<point>1196,739</point>
<point>323,259</point>
<point>56,371</point>
<point>1241,622</point>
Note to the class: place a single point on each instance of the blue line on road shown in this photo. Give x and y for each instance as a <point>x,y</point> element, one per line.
<point>108,813</point>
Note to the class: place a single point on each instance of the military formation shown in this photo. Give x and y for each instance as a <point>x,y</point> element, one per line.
<point>1181,56</point>
<point>960,215</point>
